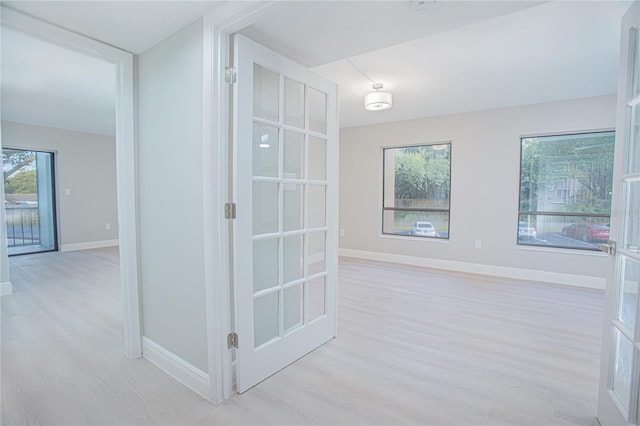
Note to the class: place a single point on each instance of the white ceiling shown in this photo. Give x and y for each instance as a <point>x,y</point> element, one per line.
<point>50,86</point>
<point>447,57</point>
<point>130,25</point>
<point>550,52</point>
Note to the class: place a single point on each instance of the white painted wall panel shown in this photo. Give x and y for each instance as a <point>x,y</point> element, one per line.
<point>170,180</point>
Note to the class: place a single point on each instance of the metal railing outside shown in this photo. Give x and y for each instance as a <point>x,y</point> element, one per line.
<point>23,226</point>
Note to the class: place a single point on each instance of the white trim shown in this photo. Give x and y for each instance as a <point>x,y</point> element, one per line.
<point>214,166</point>
<point>125,158</point>
<point>480,269</point>
<point>223,20</point>
<point>6,288</point>
<point>176,367</point>
<point>89,245</point>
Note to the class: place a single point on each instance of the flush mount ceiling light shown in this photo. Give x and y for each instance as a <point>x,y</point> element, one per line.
<point>378,101</point>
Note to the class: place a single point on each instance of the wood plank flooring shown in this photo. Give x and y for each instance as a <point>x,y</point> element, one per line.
<point>415,346</point>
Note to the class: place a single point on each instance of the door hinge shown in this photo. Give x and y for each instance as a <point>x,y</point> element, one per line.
<point>231,75</point>
<point>232,340</point>
<point>230,210</point>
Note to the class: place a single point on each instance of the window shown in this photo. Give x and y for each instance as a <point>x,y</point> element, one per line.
<point>416,190</point>
<point>565,190</point>
<point>29,201</point>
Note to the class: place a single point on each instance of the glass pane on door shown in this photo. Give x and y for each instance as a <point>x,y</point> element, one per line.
<point>293,307</point>
<point>633,156</point>
<point>293,155</point>
<point>265,150</point>
<point>628,305</point>
<point>293,102</point>
<point>317,111</point>
<point>266,322</point>
<point>265,207</point>
<point>317,158</point>
<point>623,363</point>
<point>29,201</point>
<point>632,219</point>
<point>289,186</point>
<point>266,261</point>
<point>266,93</point>
<point>317,298</point>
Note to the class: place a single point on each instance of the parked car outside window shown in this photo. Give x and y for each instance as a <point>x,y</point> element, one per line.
<point>526,231</point>
<point>424,229</point>
<point>587,232</point>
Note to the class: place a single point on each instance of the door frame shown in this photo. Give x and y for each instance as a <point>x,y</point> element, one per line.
<point>54,191</point>
<point>125,158</point>
<point>218,25</point>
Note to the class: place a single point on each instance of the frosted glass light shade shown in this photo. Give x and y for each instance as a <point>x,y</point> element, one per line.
<point>377,101</point>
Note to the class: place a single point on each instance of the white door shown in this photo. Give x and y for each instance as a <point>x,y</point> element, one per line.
<point>285,232</point>
<point>620,366</point>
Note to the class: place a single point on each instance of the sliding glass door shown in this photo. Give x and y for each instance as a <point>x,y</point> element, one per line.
<point>29,201</point>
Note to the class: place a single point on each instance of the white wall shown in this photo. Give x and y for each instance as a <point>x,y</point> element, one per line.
<point>484,191</point>
<point>86,165</point>
<point>170,187</point>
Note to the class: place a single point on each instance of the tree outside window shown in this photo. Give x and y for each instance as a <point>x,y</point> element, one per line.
<point>416,190</point>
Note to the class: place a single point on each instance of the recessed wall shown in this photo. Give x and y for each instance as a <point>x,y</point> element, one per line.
<point>484,191</point>
<point>85,173</point>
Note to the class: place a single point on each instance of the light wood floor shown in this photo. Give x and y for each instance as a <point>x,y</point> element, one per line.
<point>415,346</point>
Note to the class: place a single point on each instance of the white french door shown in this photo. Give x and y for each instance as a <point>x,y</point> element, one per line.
<point>285,232</point>
<point>618,399</point>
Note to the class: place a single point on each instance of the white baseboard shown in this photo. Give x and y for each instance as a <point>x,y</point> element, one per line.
<point>89,245</point>
<point>476,268</point>
<point>176,367</point>
<point>6,288</point>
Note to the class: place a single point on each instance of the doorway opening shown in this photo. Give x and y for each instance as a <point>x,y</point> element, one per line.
<point>29,201</point>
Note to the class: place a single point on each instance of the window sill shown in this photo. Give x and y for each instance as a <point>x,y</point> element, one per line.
<point>561,250</point>
<point>413,238</point>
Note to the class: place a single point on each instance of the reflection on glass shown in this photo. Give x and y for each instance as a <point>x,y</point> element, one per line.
<point>265,151</point>
<point>266,314</point>
<point>293,103</point>
<point>293,257</point>
<point>265,264</point>
<point>416,223</point>
<point>293,155</point>
<point>317,111</point>
<point>293,205</point>
<point>266,85</point>
<point>317,206</point>
<point>317,250</point>
<point>316,289</point>
<point>622,371</point>
<point>563,231</point>
<point>265,207</point>
<point>293,306</point>
<point>567,173</point>
<point>317,158</point>
<point>628,305</point>
<point>634,142</point>
<point>632,220</point>
<point>636,64</point>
